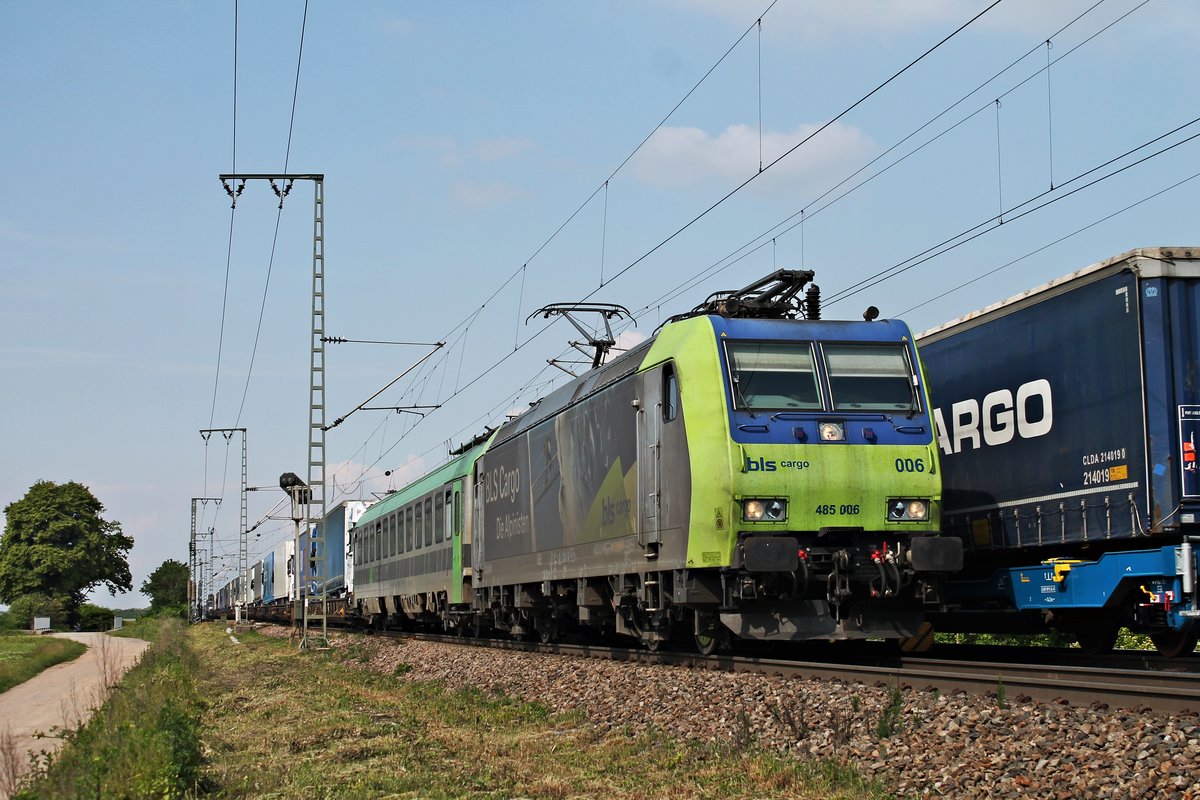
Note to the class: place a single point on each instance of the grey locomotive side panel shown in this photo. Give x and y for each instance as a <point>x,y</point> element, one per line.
<point>558,499</point>
<point>1040,419</point>
<point>504,479</point>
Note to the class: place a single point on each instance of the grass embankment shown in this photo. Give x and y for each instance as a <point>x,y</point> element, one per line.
<point>23,655</point>
<point>281,723</point>
<point>144,742</point>
<point>286,724</point>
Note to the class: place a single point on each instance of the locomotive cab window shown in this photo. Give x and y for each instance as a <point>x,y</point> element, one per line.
<point>870,377</point>
<point>670,408</point>
<point>773,375</point>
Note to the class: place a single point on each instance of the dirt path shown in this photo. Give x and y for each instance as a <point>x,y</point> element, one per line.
<point>60,697</point>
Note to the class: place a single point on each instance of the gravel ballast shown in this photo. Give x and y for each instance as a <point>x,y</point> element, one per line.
<point>921,743</point>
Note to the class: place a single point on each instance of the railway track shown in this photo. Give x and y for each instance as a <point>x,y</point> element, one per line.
<point>1171,688</point>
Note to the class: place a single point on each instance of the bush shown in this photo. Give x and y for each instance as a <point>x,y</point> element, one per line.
<point>172,612</point>
<point>95,618</point>
<point>22,610</point>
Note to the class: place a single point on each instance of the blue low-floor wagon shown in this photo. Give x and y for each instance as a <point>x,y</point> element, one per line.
<point>1068,419</point>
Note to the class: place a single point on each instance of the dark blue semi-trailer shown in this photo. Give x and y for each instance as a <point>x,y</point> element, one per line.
<point>1068,419</point>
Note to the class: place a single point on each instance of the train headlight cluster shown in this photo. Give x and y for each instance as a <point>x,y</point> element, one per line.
<point>832,432</point>
<point>908,510</point>
<point>764,510</point>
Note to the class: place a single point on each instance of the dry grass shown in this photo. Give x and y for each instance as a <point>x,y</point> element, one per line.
<point>286,724</point>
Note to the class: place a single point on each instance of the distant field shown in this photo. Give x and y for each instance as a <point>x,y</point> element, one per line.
<point>22,656</point>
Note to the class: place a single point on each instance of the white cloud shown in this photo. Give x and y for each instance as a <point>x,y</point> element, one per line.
<point>485,195</point>
<point>627,340</point>
<point>681,158</point>
<point>407,472</point>
<point>453,154</point>
<point>347,480</point>
<point>445,148</point>
<point>501,149</point>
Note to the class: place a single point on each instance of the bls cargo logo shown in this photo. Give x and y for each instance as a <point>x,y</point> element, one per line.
<point>763,465</point>
<point>998,419</point>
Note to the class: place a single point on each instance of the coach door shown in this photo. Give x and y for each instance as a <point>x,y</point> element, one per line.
<point>649,427</point>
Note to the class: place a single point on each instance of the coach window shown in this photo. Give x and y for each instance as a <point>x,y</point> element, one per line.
<point>376,539</point>
<point>428,521</point>
<point>391,544</point>
<point>400,532</point>
<point>409,527</point>
<point>439,520</point>
<point>420,524</point>
<point>670,408</point>
<point>457,512</point>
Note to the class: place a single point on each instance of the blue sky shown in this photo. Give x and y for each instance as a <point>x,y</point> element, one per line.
<point>455,140</point>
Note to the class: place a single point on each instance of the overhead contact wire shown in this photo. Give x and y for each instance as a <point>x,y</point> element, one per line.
<point>750,248</point>
<point>802,142</point>
<point>278,218</point>
<point>730,194</point>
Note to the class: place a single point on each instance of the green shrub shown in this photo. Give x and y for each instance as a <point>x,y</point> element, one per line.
<point>95,618</point>
<point>23,609</point>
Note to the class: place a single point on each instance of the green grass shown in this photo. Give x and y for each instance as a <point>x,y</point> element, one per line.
<point>22,656</point>
<point>144,742</point>
<point>203,717</point>
<point>288,724</point>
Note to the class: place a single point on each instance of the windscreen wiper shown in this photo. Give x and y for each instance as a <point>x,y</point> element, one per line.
<point>741,398</point>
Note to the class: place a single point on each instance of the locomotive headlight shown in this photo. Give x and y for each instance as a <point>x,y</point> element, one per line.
<point>752,510</point>
<point>832,432</point>
<point>776,510</point>
<point>764,510</point>
<point>907,510</point>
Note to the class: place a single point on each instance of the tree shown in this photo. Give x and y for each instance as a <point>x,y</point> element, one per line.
<point>56,544</point>
<point>167,586</point>
<point>23,609</point>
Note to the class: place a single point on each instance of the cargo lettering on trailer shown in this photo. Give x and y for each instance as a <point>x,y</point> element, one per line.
<point>998,419</point>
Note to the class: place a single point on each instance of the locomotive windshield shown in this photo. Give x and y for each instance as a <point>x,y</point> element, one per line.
<point>772,375</point>
<point>869,377</point>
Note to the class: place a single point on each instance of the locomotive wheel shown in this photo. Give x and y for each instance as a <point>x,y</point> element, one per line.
<point>1098,639</point>
<point>1174,644</point>
<point>706,643</point>
<point>710,635</point>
